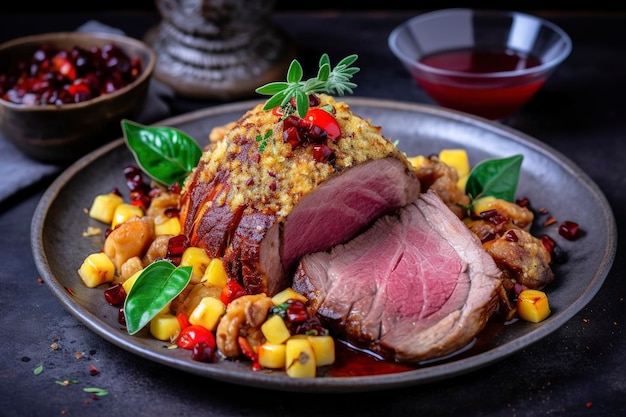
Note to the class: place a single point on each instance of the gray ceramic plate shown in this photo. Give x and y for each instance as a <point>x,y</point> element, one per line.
<point>549,179</point>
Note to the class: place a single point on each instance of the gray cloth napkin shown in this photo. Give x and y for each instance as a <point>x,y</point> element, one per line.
<point>17,171</point>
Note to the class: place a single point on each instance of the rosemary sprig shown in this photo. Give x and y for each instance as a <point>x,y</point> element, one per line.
<point>334,81</point>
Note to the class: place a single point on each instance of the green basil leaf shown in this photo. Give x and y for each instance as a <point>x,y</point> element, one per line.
<point>158,284</point>
<point>495,177</point>
<point>165,154</point>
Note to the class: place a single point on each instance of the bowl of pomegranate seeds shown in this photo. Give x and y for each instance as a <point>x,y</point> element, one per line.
<point>64,94</point>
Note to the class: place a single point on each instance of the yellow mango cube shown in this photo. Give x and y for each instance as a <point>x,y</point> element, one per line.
<point>287,294</point>
<point>272,356</point>
<point>462,182</point>
<point>300,358</point>
<point>124,212</point>
<point>482,204</point>
<point>103,207</point>
<point>457,159</point>
<point>208,313</point>
<point>324,348</point>
<point>417,161</point>
<point>96,269</point>
<point>196,258</point>
<point>215,274</point>
<point>164,225</point>
<point>275,330</point>
<point>128,284</point>
<point>533,305</point>
<point>165,327</point>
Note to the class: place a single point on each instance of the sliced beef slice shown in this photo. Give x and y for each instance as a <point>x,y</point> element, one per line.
<point>415,286</point>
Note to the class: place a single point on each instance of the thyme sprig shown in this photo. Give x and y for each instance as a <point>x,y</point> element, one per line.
<point>334,81</point>
<point>263,140</point>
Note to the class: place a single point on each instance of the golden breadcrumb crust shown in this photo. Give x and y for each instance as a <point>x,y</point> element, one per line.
<point>279,177</point>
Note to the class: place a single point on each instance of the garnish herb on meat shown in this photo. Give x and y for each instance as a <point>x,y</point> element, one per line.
<point>333,81</point>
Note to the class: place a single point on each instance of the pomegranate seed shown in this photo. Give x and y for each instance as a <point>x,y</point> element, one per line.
<point>569,230</point>
<point>292,136</point>
<point>203,352</point>
<point>174,188</point>
<point>296,311</point>
<point>322,153</point>
<point>548,243</point>
<point>115,295</point>
<point>121,318</point>
<point>312,326</point>
<point>171,212</point>
<point>176,246</point>
<point>494,217</point>
<point>488,237</point>
<point>510,236</point>
<point>523,202</point>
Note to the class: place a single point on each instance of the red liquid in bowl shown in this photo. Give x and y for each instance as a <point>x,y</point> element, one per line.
<point>493,98</point>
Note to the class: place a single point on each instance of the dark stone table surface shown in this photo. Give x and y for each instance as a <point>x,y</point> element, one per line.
<point>579,370</point>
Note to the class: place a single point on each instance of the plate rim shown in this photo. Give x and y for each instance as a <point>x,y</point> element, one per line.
<point>427,374</point>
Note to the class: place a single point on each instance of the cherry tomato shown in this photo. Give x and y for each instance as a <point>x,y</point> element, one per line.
<point>183,320</point>
<point>231,291</point>
<point>323,119</point>
<point>194,334</point>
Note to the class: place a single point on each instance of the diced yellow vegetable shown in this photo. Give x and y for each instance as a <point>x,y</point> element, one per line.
<point>457,159</point>
<point>324,348</point>
<point>196,258</point>
<point>300,358</point>
<point>128,284</point>
<point>165,327</point>
<point>164,225</point>
<point>96,269</point>
<point>287,294</point>
<point>460,184</point>
<point>215,274</point>
<point>208,313</point>
<point>272,356</point>
<point>104,206</point>
<point>482,204</point>
<point>533,305</point>
<point>275,330</point>
<point>124,212</point>
<point>417,160</point>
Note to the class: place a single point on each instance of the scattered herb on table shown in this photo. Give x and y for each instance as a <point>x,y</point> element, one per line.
<point>38,370</point>
<point>96,391</point>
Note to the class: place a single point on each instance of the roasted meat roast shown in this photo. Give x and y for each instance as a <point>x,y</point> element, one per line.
<point>344,221</point>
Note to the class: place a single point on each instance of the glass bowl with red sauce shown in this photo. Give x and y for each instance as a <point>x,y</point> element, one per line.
<point>488,63</point>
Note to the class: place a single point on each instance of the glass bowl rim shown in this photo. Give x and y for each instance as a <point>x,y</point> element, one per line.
<point>544,67</point>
